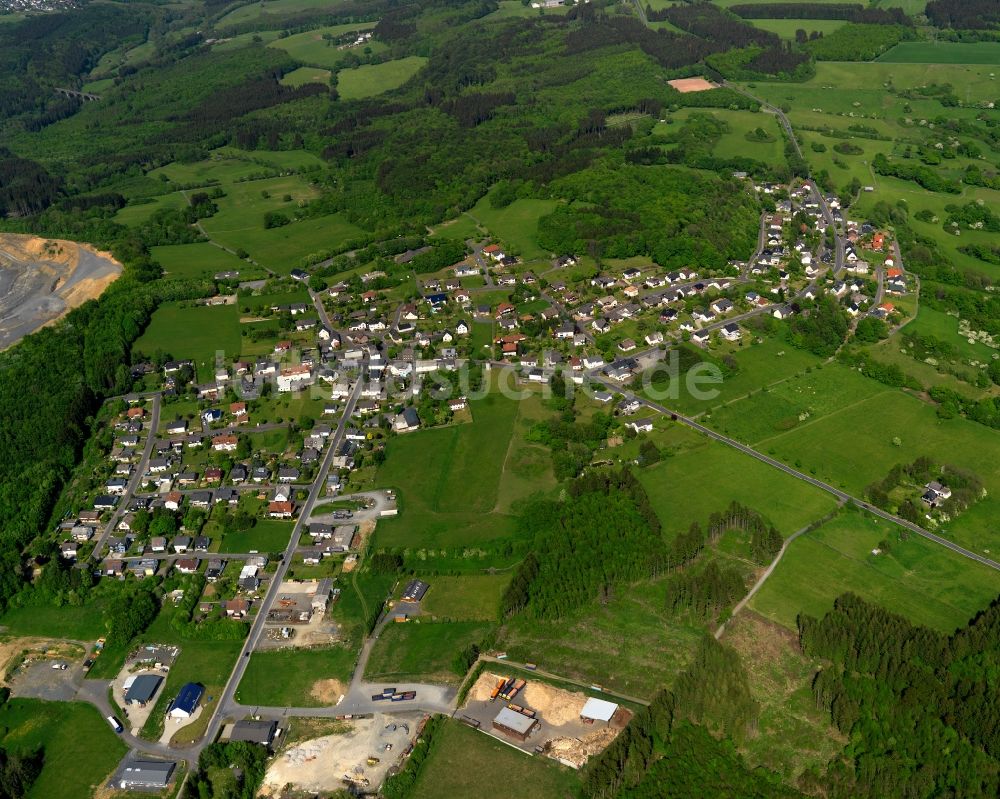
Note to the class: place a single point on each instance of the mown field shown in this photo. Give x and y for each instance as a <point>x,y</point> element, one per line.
<point>917,578</point>
<point>465,762</point>
<point>474,597</point>
<point>516,225</point>
<point>372,79</point>
<point>81,750</point>
<point>267,535</point>
<point>304,75</point>
<point>195,332</point>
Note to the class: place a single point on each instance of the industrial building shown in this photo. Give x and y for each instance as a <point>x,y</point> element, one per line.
<point>516,725</point>
<point>149,774</point>
<point>141,688</point>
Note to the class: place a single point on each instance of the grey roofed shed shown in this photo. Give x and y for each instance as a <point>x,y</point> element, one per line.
<point>258,732</point>
<point>146,774</point>
<point>142,689</point>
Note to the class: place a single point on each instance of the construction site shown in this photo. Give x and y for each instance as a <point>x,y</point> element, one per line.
<point>299,617</point>
<point>356,758</point>
<point>541,719</point>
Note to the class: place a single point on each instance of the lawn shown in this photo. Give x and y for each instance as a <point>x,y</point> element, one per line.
<point>208,663</point>
<point>196,260</point>
<point>196,332</point>
<point>372,79</point>
<point>943,53</point>
<point>693,484</point>
<point>467,598</point>
<point>286,677</point>
<point>464,763</point>
<point>310,47</point>
<point>304,75</point>
<point>917,578</point>
<point>268,535</point>
<point>449,494</point>
<point>422,652</point>
<point>81,750</point>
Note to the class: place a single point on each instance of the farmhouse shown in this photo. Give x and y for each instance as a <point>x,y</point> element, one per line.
<point>292,378</point>
<point>407,421</point>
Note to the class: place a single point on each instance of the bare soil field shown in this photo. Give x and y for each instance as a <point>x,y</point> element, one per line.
<point>42,279</point>
<point>685,85</point>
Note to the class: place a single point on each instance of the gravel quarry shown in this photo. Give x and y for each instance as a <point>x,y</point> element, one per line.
<point>42,279</point>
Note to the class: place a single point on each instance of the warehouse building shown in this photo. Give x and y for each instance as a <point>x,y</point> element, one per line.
<point>148,774</point>
<point>514,724</point>
<point>141,688</point>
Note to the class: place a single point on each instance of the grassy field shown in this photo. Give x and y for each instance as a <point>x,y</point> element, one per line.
<point>268,535</point>
<point>763,364</point>
<point>415,652</point>
<point>80,623</point>
<point>450,495</point>
<point>372,79</point>
<point>705,478</point>
<point>734,144</point>
<point>196,332</point>
<point>786,28</point>
<point>942,326</point>
<point>310,47</point>
<point>196,260</point>
<point>627,644</point>
<point>943,53</point>
<point>303,75</point>
<point>923,581</point>
<point>138,213</point>
<point>283,248</point>
<point>465,762</point>
<point>516,225</point>
<point>467,598</point>
<point>286,677</point>
<point>81,750</point>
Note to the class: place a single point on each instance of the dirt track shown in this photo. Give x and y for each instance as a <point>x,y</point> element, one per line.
<point>42,279</point>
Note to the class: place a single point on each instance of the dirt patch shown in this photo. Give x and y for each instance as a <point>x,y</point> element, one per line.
<point>554,705</point>
<point>685,85</point>
<point>578,751</point>
<point>327,691</point>
<point>480,692</point>
<point>365,529</point>
<point>16,650</point>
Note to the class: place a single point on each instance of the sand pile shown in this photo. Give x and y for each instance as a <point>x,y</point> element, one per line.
<point>553,704</point>
<point>578,750</point>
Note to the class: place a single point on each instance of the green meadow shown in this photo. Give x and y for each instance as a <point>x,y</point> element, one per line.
<point>81,750</point>
<point>196,260</point>
<point>450,493</point>
<point>422,652</point>
<point>372,79</point>
<point>195,332</point>
<point>304,75</point>
<point>310,47</point>
<point>285,678</point>
<point>786,28</point>
<point>473,597</point>
<point>516,225</point>
<point>917,578</point>
<point>271,8</point>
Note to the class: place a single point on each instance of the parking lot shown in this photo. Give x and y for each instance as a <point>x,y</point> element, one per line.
<point>56,680</point>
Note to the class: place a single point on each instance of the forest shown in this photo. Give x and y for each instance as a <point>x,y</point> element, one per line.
<point>901,692</point>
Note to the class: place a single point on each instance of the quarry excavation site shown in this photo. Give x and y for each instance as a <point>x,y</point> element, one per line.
<point>42,279</point>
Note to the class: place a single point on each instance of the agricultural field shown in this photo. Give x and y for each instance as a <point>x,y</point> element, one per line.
<point>318,47</point>
<point>422,652</point>
<point>468,598</point>
<point>80,748</point>
<point>73,622</point>
<point>987,53</point>
<point>449,495</point>
<point>138,212</point>
<point>200,260</point>
<point>197,332</point>
<point>465,762</point>
<point>734,143</point>
<point>304,75</point>
<point>706,476</point>
<point>786,28</point>
<point>917,578</point>
<point>271,8</point>
<point>295,677</point>
<point>373,79</point>
<point>516,225</point>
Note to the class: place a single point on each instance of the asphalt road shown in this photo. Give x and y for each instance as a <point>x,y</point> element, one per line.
<point>134,482</point>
